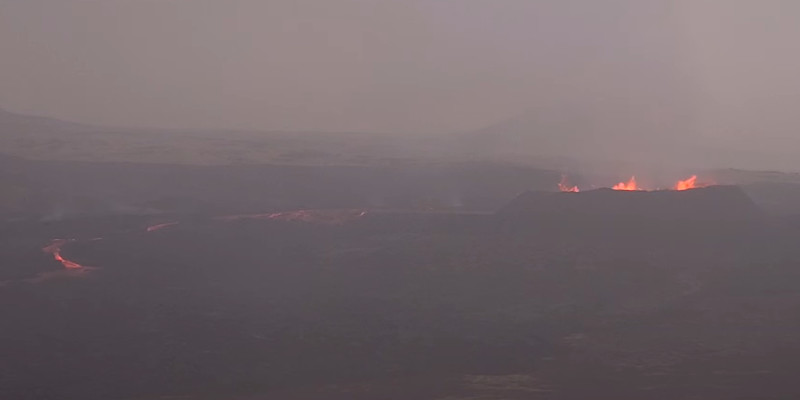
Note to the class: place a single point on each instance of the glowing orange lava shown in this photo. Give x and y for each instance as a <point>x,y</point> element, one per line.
<point>631,185</point>
<point>161,226</point>
<point>687,184</point>
<point>55,250</point>
<point>311,216</point>
<point>690,183</point>
<point>564,185</point>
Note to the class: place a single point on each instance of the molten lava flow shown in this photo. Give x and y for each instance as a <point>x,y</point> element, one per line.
<point>320,216</point>
<point>55,249</point>
<point>631,185</point>
<point>161,226</point>
<point>229,218</point>
<point>564,185</point>
<point>313,216</point>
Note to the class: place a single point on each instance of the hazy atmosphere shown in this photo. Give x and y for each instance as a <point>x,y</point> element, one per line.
<point>399,66</point>
<point>399,199</point>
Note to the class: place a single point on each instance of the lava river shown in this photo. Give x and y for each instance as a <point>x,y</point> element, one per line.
<point>310,216</point>
<point>54,248</point>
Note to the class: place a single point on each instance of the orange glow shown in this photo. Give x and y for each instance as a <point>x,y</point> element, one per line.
<point>690,183</point>
<point>55,250</point>
<point>631,185</point>
<point>687,184</point>
<point>311,216</point>
<point>564,185</point>
<point>161,226</point>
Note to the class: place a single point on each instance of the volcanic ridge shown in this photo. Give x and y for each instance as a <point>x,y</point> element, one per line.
<point>713,203</point>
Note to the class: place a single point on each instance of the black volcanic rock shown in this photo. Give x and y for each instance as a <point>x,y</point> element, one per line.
<point>715,203</point>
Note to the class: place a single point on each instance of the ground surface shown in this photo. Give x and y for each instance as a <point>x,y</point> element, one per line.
<point>396,305</point>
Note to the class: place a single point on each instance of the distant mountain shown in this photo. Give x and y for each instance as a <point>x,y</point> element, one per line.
<point>20,123</point>
<point>43,138</point>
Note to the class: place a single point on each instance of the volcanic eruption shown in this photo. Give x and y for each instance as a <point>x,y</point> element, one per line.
<point>713,203</point>
<point>690,183</point>
<point>630,185</point>
<point>565,186</point>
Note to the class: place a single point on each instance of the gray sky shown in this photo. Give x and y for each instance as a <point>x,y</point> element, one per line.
<point>399,65</point>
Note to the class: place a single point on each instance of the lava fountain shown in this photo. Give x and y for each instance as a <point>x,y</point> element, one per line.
<point>633,185</point>
<point>630,185</point>
<point>565,186</point>
<point>690,183</point>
